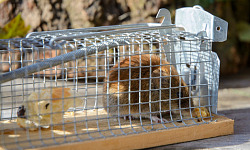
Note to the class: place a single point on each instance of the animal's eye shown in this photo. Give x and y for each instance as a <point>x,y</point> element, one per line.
<point>46,106</point>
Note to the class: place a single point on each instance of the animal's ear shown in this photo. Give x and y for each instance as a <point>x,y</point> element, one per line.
<point>47,105</point>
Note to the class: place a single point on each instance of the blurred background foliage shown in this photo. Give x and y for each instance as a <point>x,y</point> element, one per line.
<point>18,17</point>
<point>14,28</point>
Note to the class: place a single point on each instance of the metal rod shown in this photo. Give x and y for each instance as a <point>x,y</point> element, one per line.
<point>48,63</point>
<point>109,32</point>
<point>94,29</point>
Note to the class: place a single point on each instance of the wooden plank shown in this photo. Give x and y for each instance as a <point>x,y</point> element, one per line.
<point>223,126</point>
<point>96,127</point>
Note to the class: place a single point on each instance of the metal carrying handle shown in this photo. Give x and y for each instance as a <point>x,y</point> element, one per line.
<point>83,35</point>
<point>92,29</point>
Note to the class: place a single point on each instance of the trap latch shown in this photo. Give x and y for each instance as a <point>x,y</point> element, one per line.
<point>195,20</point>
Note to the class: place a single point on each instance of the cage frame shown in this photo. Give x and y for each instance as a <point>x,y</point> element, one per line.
<point>138,140</point>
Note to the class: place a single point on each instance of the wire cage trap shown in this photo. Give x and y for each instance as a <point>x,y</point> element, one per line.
<point>83,85</point>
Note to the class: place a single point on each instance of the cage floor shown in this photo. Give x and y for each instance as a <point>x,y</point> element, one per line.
<point>93,131</point>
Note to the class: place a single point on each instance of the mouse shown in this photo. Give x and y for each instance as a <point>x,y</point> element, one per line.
<point>146,86</point>
<point>46,107</point>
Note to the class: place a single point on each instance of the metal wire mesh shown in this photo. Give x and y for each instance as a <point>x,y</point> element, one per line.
<point>83,63</point>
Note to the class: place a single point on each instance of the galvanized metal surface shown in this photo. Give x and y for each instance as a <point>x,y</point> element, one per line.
<point>195,19</point>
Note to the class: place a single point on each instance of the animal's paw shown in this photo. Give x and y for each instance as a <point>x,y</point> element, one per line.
<point>128,117</point>
<point>159,120</point>
<point>27,124</point>
<point>201,113</point>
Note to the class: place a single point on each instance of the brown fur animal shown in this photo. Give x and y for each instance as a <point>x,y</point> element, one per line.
<point>115,98</point>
